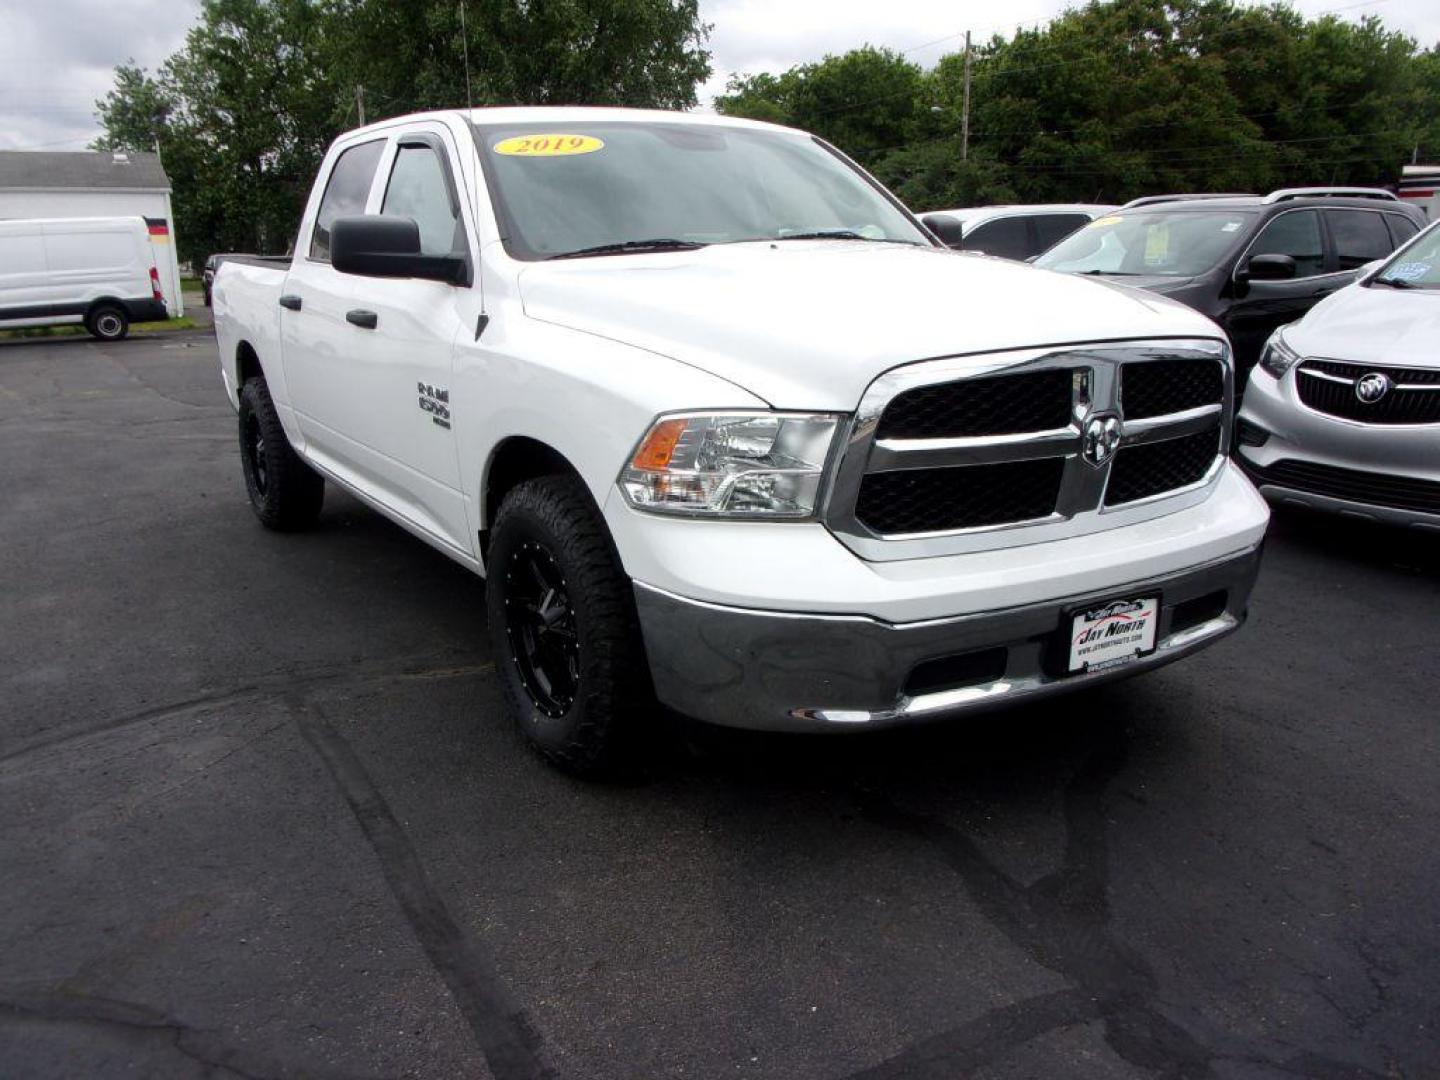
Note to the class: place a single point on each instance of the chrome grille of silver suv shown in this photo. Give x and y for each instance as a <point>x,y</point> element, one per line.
<point>955,455</point>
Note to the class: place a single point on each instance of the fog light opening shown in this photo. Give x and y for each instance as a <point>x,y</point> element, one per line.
<point>957,671</point>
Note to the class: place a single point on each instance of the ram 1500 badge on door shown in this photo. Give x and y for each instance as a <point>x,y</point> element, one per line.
<point>723,425</point>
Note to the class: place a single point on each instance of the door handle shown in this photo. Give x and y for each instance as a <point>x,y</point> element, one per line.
<point>291,301</point>
<point>360,317</point>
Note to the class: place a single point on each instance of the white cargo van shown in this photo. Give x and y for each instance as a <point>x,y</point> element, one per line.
<point>97,271</point>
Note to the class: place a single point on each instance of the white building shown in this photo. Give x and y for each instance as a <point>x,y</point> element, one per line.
<point>96,184</point>
<point>1420,185</point>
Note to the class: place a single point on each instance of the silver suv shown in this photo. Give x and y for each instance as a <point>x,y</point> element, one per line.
<point>1343,411</point>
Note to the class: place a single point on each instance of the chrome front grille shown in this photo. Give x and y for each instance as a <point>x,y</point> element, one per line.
<point>1141,472</point>
<point>955,455</point>
<point>926,500</point>
<point>997,405</point>
<point>1411,395</point>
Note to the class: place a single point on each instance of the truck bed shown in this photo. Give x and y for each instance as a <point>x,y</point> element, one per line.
<point>247,305</point>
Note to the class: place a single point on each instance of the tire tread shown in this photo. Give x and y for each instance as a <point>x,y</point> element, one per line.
<point>296,491</point>
<point>615,694</point>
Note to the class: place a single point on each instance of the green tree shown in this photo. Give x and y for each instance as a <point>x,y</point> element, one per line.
<point>244,111</point>
<point>412,56</point>
<point>1124,98</point>
<point>866,101</point>
<point>136,113</point>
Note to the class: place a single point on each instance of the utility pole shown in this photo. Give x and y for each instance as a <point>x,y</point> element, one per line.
<point>360,102</point>
<point>965,118</point>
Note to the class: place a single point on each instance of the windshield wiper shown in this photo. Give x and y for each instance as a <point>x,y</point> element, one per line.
<point>1111,273</point>
<point>662,243</point>
<point>825,234</point>
<point>1394,283</point>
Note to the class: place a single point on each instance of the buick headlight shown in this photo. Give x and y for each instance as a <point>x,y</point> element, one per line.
<point>1277,357</point>
<point>769,465</point>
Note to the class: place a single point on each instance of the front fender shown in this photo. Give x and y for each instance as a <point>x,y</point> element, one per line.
<point>587,398</point>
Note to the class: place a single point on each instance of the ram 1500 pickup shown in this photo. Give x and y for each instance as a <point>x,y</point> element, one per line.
<point>725,426</point>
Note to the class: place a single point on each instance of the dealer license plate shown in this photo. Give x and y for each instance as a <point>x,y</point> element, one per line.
<point>1113,633</point>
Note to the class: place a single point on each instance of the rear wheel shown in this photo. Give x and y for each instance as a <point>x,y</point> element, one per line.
<point>285,493</point>
<point>108,322</point>
<point>563,629</point>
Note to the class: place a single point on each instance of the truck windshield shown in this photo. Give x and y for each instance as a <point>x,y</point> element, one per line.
<point>1171,244</point>
<point>567,189</point>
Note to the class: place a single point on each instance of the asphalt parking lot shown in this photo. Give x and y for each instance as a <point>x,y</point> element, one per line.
<point>258,817</point>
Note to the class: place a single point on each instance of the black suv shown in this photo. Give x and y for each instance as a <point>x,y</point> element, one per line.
<point>1249,262</point>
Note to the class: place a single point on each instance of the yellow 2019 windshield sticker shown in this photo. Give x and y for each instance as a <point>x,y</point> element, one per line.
<point>548,145</point>
<point>1102,222</point>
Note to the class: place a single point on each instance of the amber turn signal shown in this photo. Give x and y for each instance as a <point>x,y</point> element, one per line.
<point>659,446</point>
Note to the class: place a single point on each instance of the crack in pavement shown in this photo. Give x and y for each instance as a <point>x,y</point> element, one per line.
<point>509,1041</point>
<point>115,360</point>
<point>1062,922</point>
<point>260,689</point>
<point>135,1023</point>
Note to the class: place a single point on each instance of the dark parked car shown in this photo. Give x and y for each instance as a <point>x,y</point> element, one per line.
<point>1018,232</point>
<point>1252,263</point>
<point>212,267</point>
<point>212,264</point>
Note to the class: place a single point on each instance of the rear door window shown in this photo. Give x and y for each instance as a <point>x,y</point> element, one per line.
<point>1295,233</point>
<point>1401,228</point>
<point>1007,237</point>
<point>419,189</point>
<point>1050,229</point>
<point>345,192</point>
<point>1360,237</point>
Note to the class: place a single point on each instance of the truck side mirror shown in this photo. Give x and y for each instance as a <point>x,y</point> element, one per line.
<point>1268,268</point>
<point>380,245</point>
<point>948,230</point>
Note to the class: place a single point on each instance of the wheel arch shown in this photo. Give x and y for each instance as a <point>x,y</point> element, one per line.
<point>247,364</point>
<point>105,302</point>
<point>514,460</point>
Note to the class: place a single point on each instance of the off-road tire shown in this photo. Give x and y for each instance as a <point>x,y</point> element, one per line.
<point>285,493</point>
<point>108,322</point>
<point>600,731</point>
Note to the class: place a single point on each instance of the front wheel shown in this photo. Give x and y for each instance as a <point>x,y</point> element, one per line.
<point>563,629</point>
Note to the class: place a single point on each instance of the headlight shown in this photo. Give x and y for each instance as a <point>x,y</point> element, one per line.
<point>768,465</point>
<point>1277,357</point>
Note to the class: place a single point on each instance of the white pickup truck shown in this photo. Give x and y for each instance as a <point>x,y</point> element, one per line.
<point>726,427</point>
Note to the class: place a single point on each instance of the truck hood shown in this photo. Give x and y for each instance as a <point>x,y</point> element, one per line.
<point>809,324</point>
<point>1372,325</point>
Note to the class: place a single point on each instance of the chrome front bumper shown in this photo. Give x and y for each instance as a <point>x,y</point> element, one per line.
<point>781,671</point>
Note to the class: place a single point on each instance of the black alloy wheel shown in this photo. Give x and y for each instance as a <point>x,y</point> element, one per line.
<point>540,628</point>
<point>252,451</point>
<point>564,630</point>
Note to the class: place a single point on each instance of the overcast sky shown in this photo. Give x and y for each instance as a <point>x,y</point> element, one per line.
<point>56,56</point>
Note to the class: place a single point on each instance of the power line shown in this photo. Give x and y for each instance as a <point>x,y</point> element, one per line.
<point>57,142</point>
<point>1069,170</point>
<point>1185,154</point>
